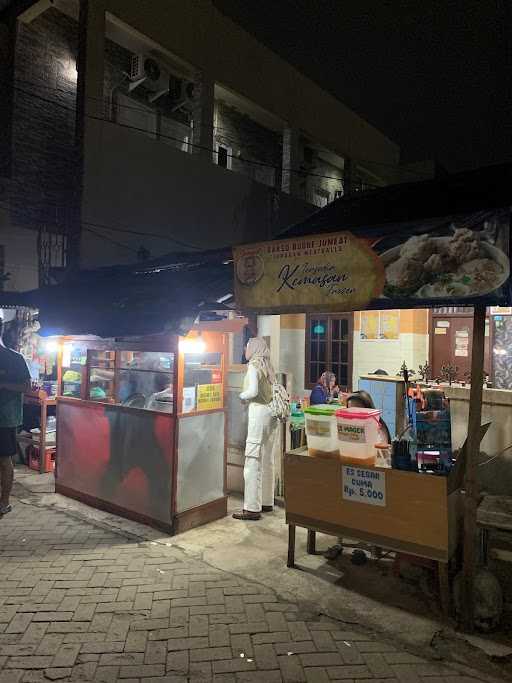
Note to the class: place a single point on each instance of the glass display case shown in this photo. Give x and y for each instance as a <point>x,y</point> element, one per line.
<point>73,374</point>
<point>134,379</point>
<point>146,380</point>
<point>44,366</point>
<point>101,376</point>
<point>202,382</point>
<point>143,433</point>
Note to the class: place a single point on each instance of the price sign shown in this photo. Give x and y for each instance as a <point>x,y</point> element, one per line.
<point>361,485</point>
<point>209,396</point>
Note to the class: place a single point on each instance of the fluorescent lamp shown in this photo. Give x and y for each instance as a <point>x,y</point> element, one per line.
<point>192,345</point>
<point>52,346</point>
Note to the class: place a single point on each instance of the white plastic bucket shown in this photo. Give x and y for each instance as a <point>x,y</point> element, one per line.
<point>321,431</point>
<point>357,433</point>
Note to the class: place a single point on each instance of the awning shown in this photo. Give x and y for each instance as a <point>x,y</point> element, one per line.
<point>485,188</point>
<point>443,242</point>
<point>165,295</point>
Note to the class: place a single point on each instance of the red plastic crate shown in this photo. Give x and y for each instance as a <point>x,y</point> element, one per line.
<point>33,459</point>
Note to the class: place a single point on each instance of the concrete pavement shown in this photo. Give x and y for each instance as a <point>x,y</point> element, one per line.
<point>83,601</point>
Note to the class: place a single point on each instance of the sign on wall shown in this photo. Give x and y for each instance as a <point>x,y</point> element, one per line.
<point>380,325</point>
<point>189,400</point>
<point>209,396</point>
<point>361,485</point>
<point>452,260</point>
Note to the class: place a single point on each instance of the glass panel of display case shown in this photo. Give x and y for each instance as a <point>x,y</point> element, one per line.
<point>202,382</point>
<point>147,360</point>
<point>146,380</point>
<point>74,360</point>
<point>100,358</point>
<point>44,365</point>
<point>101,376</point>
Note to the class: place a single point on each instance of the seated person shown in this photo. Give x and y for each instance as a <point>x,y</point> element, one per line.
<point>324,390</point>
<point>359,399</point>
<point>362,399</point>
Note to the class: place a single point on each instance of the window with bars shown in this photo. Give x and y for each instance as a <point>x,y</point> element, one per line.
<point>329,340</point>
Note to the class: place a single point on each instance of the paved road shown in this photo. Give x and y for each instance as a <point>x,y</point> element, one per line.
<point>79,602</point>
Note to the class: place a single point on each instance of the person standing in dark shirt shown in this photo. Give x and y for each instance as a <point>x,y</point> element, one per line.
<point>14,382</point>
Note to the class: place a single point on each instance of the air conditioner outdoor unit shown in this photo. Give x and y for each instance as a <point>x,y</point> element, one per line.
<point>146,70</point>
<point>181,92</point>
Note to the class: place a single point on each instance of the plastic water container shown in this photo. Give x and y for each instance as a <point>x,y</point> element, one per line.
<point>358,432</point>
<point>321,431</point>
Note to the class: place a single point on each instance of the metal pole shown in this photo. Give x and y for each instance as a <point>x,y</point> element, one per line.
<point>473,446</point>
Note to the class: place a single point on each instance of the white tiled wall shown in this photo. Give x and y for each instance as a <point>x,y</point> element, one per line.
<point>270,326</point>
<point>388,355</point>
<point>288,352</point>
<point>292,357</point>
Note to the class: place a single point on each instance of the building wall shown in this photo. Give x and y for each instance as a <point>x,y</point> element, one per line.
<point>249,141</point>
<point>43,172</point>
<point>20,255</point>
<point>133,109</point>
<point>388,355</point>
<point>368,356</point>
<point>134,182</point>
<point>269,327</point>
<point>131,183</point>
<point>293,349</point>
<point>323,181</point>
<point>198,33</point>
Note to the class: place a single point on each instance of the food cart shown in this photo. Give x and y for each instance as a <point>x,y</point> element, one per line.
<point>141,427</point>
<point>461,259</point>
<point>141,386</point>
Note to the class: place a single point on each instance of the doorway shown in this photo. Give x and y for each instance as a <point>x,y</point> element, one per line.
<point>451,338</point>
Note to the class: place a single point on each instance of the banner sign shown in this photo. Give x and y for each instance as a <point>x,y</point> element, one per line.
<point>462,260</point>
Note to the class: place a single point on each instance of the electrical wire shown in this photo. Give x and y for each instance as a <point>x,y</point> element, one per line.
<point>89,226</point>
<point>301,172</point>
<point>220,131</point>
<point>357,160</point>
<point>142,234</point>
<point>108,239</point>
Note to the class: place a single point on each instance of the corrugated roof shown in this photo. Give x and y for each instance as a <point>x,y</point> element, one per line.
<point>485,188</point>
<point>163,295</point>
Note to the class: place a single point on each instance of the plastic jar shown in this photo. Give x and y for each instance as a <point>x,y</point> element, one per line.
<point>321,431</point>
<point>358,432</point>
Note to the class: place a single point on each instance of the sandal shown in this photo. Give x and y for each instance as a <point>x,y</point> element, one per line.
<point>333,552</point>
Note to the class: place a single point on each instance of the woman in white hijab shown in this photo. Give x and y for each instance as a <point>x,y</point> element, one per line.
<point>261,432</point>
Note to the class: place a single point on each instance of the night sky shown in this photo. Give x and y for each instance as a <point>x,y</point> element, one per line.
<point>435,76</point>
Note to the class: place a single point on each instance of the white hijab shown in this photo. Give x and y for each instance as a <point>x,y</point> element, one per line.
<point>258,355</point>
